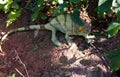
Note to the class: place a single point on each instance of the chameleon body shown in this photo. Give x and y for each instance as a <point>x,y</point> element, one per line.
<point>62,23</point>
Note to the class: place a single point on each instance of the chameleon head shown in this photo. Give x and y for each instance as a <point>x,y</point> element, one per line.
<point>85,28</point>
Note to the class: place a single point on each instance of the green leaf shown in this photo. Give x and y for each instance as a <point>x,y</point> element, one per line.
<point>17,1</point>
<point>42,16</point>
<point>15,5</point>
<point>114,57</point>
<point>76,18</point>
<point>104,6</point>
<point>118,48</point>
<point>115,62</point>
<point>35,14</point>
<point>60,9</point>
<point>116,5</point>
<point>1,6</point>
<point>13,75</point>
<point>8,6</point>
<point>12,16</point>
<point>118,16</point>
<point>84,0</point>
<point>75,0</point>
<point>9,1</point>
<point>113,29</point>
<point>40,2</point>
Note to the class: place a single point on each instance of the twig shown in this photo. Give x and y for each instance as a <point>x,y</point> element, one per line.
<point>19,72</point>
<point>101,56</point>
<point>22,63</point>
<point>98,51</point>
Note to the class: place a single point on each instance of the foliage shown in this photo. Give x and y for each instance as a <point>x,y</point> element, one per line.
<point>76,18</point>
<point>40,9</point>
<point>12,8</point>
<point>13,75</point>
<point>108,7</point>
<point>104,7</point>
<point>43,9</point>
<point>113,29</point>
<point>114,57</point>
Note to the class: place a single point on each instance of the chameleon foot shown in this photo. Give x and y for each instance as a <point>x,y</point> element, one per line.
<point>56,42</point>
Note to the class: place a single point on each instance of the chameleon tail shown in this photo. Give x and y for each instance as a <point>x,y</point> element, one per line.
<point>32,27</point>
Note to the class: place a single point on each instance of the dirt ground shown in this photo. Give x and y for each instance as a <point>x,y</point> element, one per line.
<point>80,60</point>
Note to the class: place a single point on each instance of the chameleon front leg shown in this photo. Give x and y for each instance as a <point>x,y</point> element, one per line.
<point>68,38</point>
<point>53,37</point>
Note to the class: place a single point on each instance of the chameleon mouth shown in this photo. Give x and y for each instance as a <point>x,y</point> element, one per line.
<point>79,34</point>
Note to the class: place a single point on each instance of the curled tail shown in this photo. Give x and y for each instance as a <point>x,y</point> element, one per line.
<point>31,27</point>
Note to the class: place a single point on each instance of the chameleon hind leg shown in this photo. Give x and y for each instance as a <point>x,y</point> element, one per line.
<point>68,38</point>
<point>53,37</point>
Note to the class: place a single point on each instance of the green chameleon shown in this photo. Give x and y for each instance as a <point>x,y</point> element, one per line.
<point>62,23</point>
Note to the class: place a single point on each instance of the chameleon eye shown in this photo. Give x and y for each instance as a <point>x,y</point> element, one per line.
<point>81,28</point>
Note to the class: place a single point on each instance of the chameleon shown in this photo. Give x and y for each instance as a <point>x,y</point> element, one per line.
<point>62,23</point>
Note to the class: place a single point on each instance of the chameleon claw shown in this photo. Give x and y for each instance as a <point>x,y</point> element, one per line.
<point>70,44</point>
<point>58,44</point>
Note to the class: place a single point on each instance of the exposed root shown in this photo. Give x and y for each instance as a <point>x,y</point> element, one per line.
<point>22,64</point>
<point>20,72</point>
<point>103,58</point>
<point>1,41</point>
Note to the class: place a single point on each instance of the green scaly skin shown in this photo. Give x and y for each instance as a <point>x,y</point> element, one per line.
<point>62,23</point>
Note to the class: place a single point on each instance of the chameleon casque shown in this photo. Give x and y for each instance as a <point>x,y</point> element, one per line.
<point>62,23</point>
